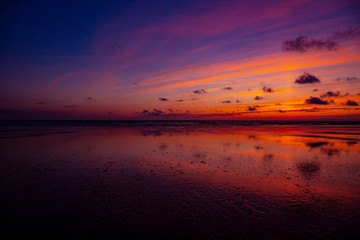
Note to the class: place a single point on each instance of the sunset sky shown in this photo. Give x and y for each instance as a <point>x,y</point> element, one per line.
<point>180,60</point>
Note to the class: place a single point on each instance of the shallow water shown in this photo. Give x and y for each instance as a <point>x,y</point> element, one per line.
<point>181,182</point>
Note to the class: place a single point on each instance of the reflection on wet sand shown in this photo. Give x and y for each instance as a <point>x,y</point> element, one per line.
<point>182,182</point>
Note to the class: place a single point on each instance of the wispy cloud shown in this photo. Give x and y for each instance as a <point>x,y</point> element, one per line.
<point>199,91</point>
<point>350,79</point>
<point>248,68</point>
<point>258,98</point>
<point>227,101</point>
<point>350,32</point>
<point>163,99</point>
<point>303,44</point>
<point>91,99</point>
<point>227,88</point>
<point>188,100</point>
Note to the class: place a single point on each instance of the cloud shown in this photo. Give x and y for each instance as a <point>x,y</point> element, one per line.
<point>258,98</point>
<point>350,32</point>
<point>350,79</point>
<point>315,90</point>
<point>282,111</point>
<point>307,78</point>
<point>227,101</point>
<point>302,44</point>
<point>238,101</point>
<point>41,102</point>
<point>163,99</point>
<point>315,100</point>
<point>351,103</point>
<point>315,109</point>
<point>227,88</point>
<point>170,110</point>
<point>268,90</point>
<point>188,100</point>
<point>330,94</point>
<point>199,91</point>
<point>91,99</point>
<point>155,112</point>
<point>253,108</point>
<point>71,106</point>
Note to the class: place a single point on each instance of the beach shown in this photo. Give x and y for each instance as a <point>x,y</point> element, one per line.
<point>180,181</point>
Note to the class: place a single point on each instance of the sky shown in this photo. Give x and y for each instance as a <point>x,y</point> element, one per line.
<point>180,60</point>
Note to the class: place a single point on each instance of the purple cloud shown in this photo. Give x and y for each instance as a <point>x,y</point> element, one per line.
<point>268,90</point>
<point>199,91</point>
<point>303,44</point>
<point>315,100</point>
<point>307,78</point>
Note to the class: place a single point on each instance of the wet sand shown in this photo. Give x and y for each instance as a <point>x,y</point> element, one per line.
<point>181,182</point>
